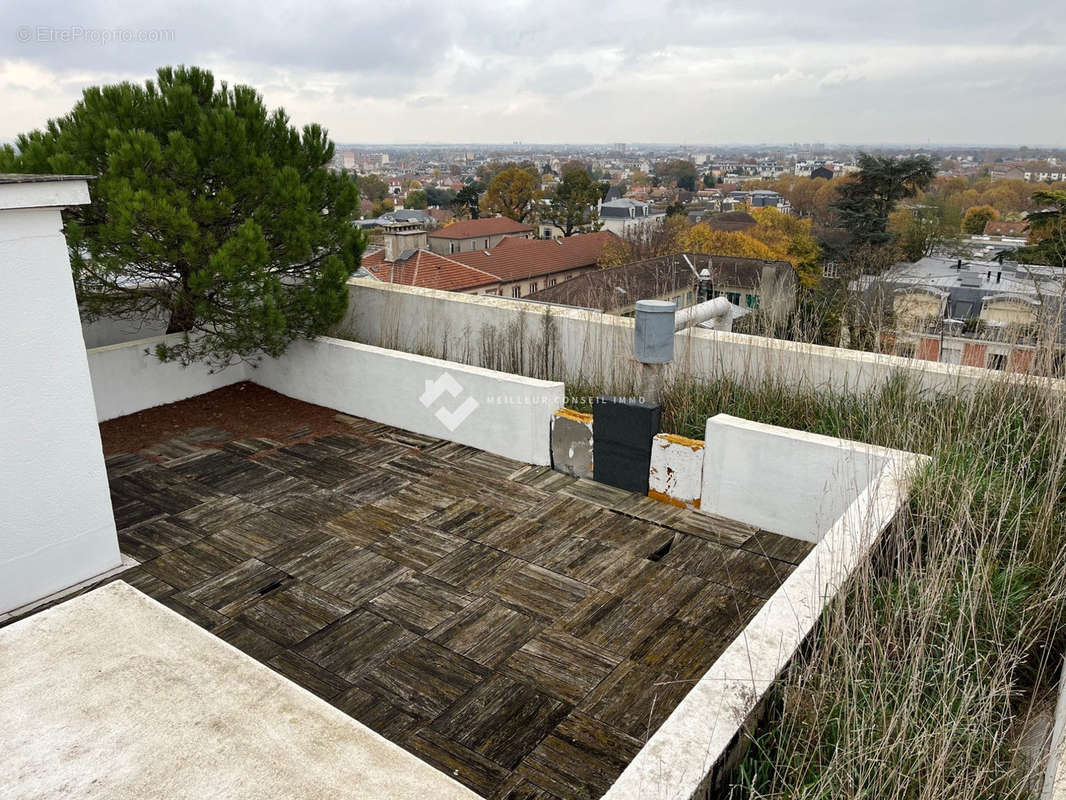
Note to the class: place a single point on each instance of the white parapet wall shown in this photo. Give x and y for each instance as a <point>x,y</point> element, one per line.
<point>128,378</point>
<point>57,528</point>
<point>598,347</point>
<point>786,481</point>
<point>509,415</point>
<point>683,756</point>
<point>504,414</point>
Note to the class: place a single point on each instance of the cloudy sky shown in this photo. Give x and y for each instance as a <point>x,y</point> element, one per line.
<point>856,71</point>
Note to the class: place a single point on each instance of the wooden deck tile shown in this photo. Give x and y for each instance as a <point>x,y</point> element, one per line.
<point>217,515</point>
<point>581,559</point>
<point>561,665</point>
<point>581,758</point>
<point>755,574</point>
<point>502,719</point>
<point>610,622</point>
<point>420,603</point>
<point>695,556</point>
<point>205,617</point>
<point>539,592</point>
<point>191,564</point>
<point>468,767</point>
<point>471,567</point>
<point>308,674</point>
<point>486,632</point>
<point>521,538</point>
<point>599,494</point>
<point>354,644</point>
<point>782,548</point>
<point>423,678</point>
<point>467,518</point>
<point>236,589</point>
<point>417,546</point>
<point>719,608</point>
<point>293,612</point>
<point>258,647</point>
<point>713,528</point>
<point>256,534</point>
<point>634,699</point>
<point>377,713</point>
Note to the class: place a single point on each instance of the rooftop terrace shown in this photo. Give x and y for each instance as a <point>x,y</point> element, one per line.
<point>521,630</point>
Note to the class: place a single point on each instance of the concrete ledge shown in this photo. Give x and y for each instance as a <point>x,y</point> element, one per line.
<point>112,695</point>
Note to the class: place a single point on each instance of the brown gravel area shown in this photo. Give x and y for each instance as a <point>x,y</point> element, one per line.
<point>244,409</point>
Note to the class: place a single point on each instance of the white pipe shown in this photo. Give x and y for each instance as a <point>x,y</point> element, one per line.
<point>719,311</point>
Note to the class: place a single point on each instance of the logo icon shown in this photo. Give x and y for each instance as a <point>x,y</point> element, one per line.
<point>447,384</point>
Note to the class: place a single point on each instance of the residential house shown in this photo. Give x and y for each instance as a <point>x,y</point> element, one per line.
<point>977,313</point>
<point>476,234</point>
<point>999,227</point>
<point>629,218</point>
<point>515,267</point>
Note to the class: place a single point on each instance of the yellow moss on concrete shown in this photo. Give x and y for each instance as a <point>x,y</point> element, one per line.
<point>577,416</point>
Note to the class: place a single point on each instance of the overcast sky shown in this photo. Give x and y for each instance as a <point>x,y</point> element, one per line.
<point>856,71</point>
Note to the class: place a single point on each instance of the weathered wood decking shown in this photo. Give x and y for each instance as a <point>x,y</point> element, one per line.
<point>521,630</point>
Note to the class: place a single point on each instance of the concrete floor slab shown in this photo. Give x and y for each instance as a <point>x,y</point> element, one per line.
<point>113,695</point>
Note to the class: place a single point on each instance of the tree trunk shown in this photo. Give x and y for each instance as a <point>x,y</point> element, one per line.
<point>182,306</point>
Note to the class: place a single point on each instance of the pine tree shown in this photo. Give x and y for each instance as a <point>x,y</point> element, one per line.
<point>865,203</point>
<point>207,207</point>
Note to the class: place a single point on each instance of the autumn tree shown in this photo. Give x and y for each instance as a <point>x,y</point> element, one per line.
<point>514,193</point>
<point>977,217</point>
<point>573,207</point>
<point>615,253</point>
<point>864,204</point>
<point>208,206</point>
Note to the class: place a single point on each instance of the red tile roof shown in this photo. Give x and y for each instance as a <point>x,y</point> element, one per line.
<point>511,260</point>
<point>428,270</point>
<point>995,227</point>
<point>517,259</point>
<point>473,228</point>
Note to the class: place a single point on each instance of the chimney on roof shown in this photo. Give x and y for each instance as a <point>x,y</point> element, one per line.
<point>401,237</point>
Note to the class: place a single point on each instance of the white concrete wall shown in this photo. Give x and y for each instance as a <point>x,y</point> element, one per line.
<point>57,528</point>
<point>793,483</point>
<point>106,331</point>
<point>599,346</point>
<point>127,378</point>
<point>504,414</point>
